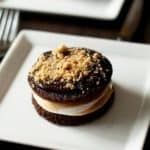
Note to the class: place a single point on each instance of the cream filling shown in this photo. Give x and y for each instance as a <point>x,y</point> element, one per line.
<point>78,109</point>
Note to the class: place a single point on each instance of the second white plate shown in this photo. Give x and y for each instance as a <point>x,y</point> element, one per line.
<point>99,9</point>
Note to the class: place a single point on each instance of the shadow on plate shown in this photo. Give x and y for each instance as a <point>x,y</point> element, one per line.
<point>118,121</point>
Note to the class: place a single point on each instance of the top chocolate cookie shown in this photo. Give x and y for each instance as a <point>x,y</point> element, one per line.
<point>70,70</point>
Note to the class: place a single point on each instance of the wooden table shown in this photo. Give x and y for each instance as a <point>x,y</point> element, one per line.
<point>88,27</point>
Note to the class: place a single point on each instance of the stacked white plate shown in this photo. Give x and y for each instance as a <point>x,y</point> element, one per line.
<point>98,9</point>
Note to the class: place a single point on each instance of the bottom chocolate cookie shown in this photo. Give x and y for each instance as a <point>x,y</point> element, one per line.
<point>72,120</point>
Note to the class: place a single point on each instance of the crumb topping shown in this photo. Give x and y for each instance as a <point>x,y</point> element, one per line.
<point>67,65</point>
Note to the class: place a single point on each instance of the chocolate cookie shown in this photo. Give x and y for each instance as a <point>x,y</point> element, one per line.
<point>70,79</point>
<point>84,84</point>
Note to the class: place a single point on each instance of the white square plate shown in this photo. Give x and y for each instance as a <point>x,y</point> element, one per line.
<point>99,9</point>
<point>123,127</point>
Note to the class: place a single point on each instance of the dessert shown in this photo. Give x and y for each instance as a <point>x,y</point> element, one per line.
<point>71,85</point>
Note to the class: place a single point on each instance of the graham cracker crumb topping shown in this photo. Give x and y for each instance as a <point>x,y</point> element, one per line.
<point>67,65</point>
